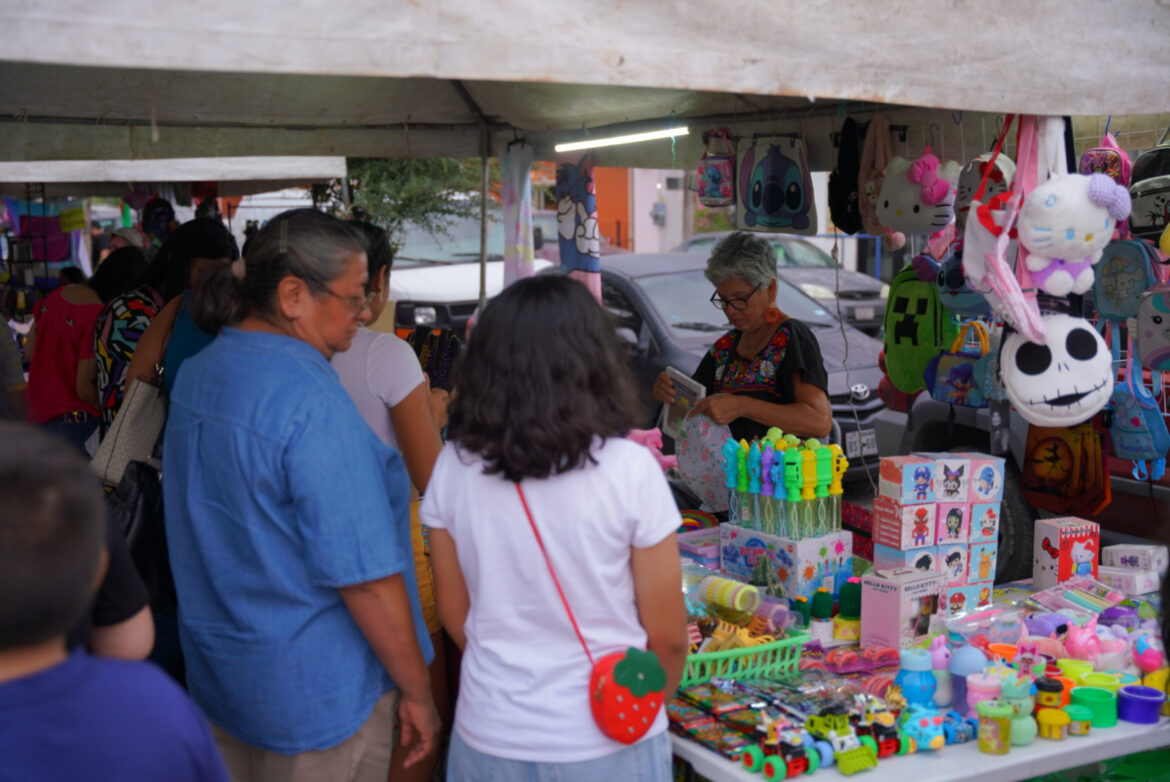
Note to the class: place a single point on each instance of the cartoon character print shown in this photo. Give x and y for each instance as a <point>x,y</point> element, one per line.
<point>985,483</point>
<point>580,241</point>
<point>920,529</point>
<point>954,523</point>
<point>922,481</point>
<point>961,380</point>
<point>775,191</point>
<point>954,565</point>
<point>1082,557</point>
<point>958,602</point>
<point>989,524</point>
<point>984,597</point>
<point>918,196</point>
<point>924,562</point>
<point>952,481</point>
<point>984,565</point>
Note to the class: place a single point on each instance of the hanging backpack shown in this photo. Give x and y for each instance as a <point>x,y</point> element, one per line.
<point>844,208</point>
<point>775,186</point>
<point>1125,272</point>
<point>1149,188</point>
<point>876,153</point>
<point>1138,430</point>
<point>917,327</point>
<point>1108,159</point>
<point>1064,470</point>
<point>716,170</point>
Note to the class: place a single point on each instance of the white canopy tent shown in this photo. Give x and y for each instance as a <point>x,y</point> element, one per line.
<point>129,79</point>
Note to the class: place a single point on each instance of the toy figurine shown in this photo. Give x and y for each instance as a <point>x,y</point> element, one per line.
<point>940,660</point>
<point>922,727</point>
<point>915,677</point>
<point>921,482</point>
<point>1017,693</point>
<point>920,529</point>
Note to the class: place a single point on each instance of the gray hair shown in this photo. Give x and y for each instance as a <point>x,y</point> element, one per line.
<point>743,255</point>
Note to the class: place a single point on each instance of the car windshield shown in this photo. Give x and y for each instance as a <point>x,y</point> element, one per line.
<point>683,299</point>
<point>459,244</point>
<point>789,252</point>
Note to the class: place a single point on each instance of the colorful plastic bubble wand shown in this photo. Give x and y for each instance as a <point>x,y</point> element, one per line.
<point>824,466</point>
<point>741,485</point>
<point>840,465</point>
<point>780,496</point>
<point>755,473</point>
<point>792,481</point>
<point>808,485</point>
<point>767,492</point>
<point>731,473</point>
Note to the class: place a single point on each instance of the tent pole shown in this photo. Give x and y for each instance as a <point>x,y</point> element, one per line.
<point>484,147</point>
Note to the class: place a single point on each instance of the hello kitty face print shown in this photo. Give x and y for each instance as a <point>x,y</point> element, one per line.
<point>1065,224</point>
<point>1082,557</point>
<point>918,196</point>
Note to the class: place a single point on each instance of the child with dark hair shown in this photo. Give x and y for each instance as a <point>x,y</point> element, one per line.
<point>542,402</point>
<point>72,716</point>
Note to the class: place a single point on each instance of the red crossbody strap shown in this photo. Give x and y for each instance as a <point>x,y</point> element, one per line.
<point>553,573</point>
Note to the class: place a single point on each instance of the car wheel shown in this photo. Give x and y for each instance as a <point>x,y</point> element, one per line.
<point>1017,522</point>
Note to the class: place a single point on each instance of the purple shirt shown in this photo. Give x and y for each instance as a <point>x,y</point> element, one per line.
<point>103,720</point>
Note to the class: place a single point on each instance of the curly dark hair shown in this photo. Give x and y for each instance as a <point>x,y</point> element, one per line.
<point>542,376</point>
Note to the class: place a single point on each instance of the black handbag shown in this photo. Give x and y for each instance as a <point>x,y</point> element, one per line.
<point>137,504</point>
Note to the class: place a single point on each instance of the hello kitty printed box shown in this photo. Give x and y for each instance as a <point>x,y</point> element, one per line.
<point>1064,548</point>
<point>986,477</point>
<point>952,476</point>
<point>900,606</point>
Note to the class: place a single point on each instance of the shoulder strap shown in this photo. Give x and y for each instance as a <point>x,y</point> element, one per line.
<point>551,572</point>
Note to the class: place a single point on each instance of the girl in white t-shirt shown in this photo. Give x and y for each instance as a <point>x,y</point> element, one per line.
<point>543,398</point>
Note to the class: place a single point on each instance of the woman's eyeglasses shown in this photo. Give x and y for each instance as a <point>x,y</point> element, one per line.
<point>355,304</point>
<point>738,303</point>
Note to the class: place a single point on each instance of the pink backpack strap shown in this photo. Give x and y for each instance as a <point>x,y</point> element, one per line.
<point>1027,175</point>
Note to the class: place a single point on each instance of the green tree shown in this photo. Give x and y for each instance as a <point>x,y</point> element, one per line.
<point>425,192</point>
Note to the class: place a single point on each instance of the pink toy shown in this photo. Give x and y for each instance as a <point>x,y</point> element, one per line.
<point>1083,643</point>
<point>652,439</point>
<point>924,170</point>
<point>1148,653</point>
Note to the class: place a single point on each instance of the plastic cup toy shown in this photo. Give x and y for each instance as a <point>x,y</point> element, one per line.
<point>1049,693</point>
<point>1142,705</point>
<point>1006,652</point>
<point>1052,724</point>
<point>1080,720</point>
<point>982,687</point>
<point>1102,704</point>
<point>1066,689</point>
<point>995,727</point>
<point>1105,681</point>
<point>1074,669</point>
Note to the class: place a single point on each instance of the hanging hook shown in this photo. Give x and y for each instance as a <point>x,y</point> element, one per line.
<point>957,117</point>
<point>517,138</point>
<point>931,128</point>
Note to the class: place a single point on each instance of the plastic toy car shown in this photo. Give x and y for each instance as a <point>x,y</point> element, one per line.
<point>959,729</point>
<point>838,742</point>
<point>782,754</point>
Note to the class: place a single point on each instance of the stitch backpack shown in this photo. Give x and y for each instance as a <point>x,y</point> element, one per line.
<point>844,209</point>
<point>1125,272</point>
<point>1108,159</point>
<point>1149,188</point>
<point>1138,430</point>
<point>917,327</point>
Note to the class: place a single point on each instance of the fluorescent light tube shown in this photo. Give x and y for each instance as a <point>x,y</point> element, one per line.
<point>632,138</point>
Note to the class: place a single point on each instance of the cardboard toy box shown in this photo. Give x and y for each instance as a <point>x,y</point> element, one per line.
<point>952,475</point>
<point>889,558</point>
<point>899,606</point>
<point>953,523</point>
<point>985,482</point>
<point>1131,582</point>
<point>907,479</point>
<point>953,563</point>
<point>981,563</point>
<point>802,566</point>
<point>967,599</point>
<point>985,522</point>
<point>1136,557</point>
<point>1063,548</point>
<point>902,526</point>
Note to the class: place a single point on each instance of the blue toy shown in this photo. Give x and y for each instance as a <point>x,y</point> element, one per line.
<point>915,679</point>
<point>923,727</point>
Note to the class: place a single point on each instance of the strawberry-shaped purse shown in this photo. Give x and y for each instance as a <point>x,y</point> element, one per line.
<point>625,688</point>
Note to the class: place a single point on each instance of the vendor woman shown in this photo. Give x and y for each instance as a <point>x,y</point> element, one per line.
<point>767,371</point>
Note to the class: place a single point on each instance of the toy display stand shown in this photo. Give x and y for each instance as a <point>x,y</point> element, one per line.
<point>963,761</point>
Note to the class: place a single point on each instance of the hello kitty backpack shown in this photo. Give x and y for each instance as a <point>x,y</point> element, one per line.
<point>917,197</point>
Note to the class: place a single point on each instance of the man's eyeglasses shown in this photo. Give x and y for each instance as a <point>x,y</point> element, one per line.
<point>355,304</point>
<point>738,303</point>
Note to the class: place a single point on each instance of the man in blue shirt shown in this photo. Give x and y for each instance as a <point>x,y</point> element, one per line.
<point>72,716</point>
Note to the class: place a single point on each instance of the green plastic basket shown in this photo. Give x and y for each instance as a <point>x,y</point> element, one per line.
<point>766,661</point>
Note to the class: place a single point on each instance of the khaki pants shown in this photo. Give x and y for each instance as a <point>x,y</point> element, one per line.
<point>363,757</point>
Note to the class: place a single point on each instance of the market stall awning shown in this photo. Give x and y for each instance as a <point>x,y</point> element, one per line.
<point>129,79</point>
<point>116,178</point>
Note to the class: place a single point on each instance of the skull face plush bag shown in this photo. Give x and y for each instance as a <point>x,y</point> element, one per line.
<point>1062,383</point>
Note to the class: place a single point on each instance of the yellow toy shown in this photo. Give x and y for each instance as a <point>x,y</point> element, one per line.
<point>984,565</point>
<point>1053,724</point>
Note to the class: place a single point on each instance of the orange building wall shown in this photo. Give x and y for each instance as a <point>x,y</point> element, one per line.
<point>613,204</point>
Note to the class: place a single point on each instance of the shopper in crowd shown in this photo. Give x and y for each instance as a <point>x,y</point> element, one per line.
<point>189,254</point>
<point>767,371</point>
<point>66,715</point>
<point>287,523</point>
<point>382,375</point>
<point>11,375</point>
<point>127,237</point>
<point>62,382</point>
<point>123,323</point>
<point>99,239</point>
<point>70,275</point>
<point>541,403</point>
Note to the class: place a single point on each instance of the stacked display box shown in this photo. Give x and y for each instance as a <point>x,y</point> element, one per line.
<point>940,512</point>
<point>802,566</point>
